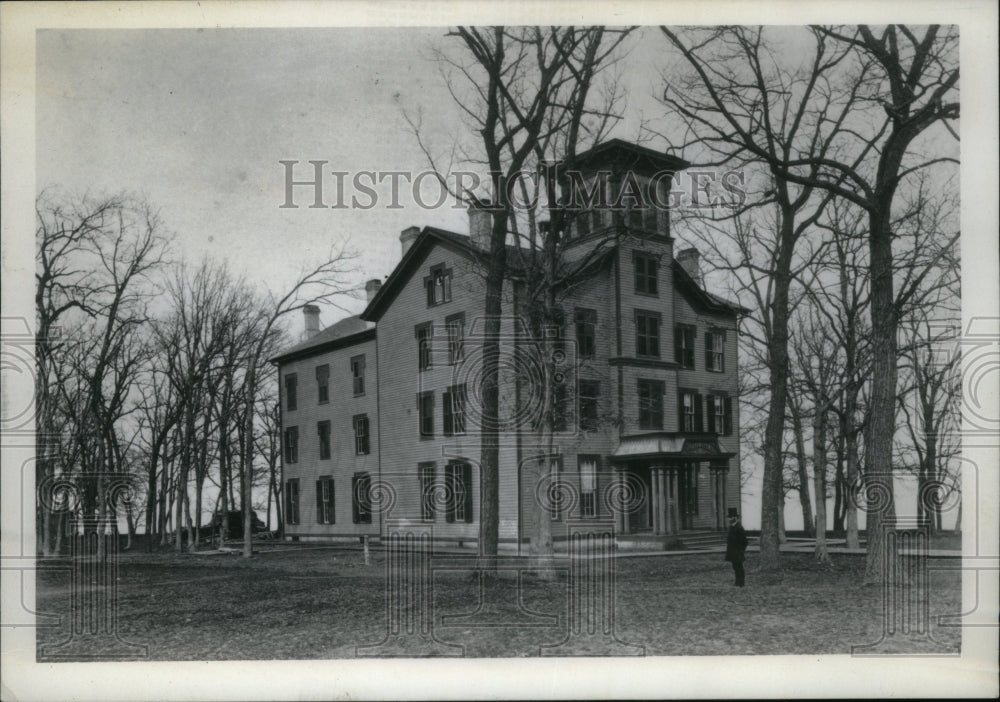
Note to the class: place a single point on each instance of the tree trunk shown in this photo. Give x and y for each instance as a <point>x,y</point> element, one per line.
<point>246,444</point>
<point>838,484</point>
<point>489,523</point>
<point>130,522</point>
<point>782,538</point>
<point>931,505</point>
<point>803,470</point>
<point>199,488</point>
<point>190,522</point>
<point>879,487</point>
<point>151,500</point>
<point>225,473</point>
<point>772,493</point>
<point>819,478</point>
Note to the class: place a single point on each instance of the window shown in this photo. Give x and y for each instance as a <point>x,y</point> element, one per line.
<point>424,333</point>
<point>425,410</point>
<point>650,404</point>
<point>358,374</point>
<point>596,218</point>
<point>715,343</point>
<point>646,270</point>
<point>556,497</point>
<point>689,411</point>
<point>292,445</point>
<point>558,329</point>
<point>458,481</point>
<point>324,501</point>
<point>291,391</point>
<point>586,333</point>
<point>649,216</point>
<point>560,407</point>
<point>453,411</point>
<point>323,383</point>
<point>292,501</point>
<point>361,443</point>
<point>323,429</point>
<point>361,498</point>
<point>635,212</point>
<point>588,485</point>
<point>425,474</point>
<point>720,415</point>
<point>455,327</point>
<point>647,333</point>
<point>438,285</point>
<point>590,391</point>
<point>684,345</point>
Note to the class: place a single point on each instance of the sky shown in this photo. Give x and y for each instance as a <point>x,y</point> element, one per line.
<point>198,120</point>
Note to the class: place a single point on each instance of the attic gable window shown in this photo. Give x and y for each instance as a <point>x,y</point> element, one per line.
<point>438,285</point>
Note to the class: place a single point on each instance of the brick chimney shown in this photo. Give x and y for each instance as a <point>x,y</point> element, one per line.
<point>372,287</point>
<point>480,226</point>
<point>407,238</point>
<point>689,260</point>
<point>311,314</point>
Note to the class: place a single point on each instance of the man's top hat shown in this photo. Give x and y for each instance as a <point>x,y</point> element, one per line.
<point>732,513</point>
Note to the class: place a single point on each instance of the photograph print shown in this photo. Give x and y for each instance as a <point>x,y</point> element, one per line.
<point>369,346</point>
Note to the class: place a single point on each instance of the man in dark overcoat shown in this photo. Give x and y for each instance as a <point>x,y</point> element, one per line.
<point>736,546</point>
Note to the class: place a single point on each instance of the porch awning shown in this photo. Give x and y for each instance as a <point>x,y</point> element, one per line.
<point>669,446</point>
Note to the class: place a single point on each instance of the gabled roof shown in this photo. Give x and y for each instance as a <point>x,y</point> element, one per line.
<point>412,260</point>
<point>617,153</point>
<point>346,332</point>
<point>701,298</point>
<point>462,244</point>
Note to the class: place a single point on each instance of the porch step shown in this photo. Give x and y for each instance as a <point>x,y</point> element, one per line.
<point>685,540</point>
<point>703,539</point>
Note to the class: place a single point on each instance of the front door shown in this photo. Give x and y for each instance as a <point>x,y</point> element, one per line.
<point>687,494</point>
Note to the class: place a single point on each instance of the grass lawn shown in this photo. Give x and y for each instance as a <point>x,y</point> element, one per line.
<point>323,602</point>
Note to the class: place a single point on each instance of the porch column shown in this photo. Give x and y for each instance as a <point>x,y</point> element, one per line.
<point>723,472</point>
<point>715,493</point>
<point>676,500</point>
<point>654,498</point>
<point>661,490</point>
<point>624,510</point>
<point>668,505</point>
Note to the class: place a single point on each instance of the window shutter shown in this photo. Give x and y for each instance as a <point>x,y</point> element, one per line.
<point>708,350</point>
<point>447,423</point>
<point>728,411</point>
<point>288,502</point>
<point>680,411</point>
<point>697,412</point>
<point>467,493</point>
<point>711,414</point>
<point>319,501</point>
<point>678,353</point>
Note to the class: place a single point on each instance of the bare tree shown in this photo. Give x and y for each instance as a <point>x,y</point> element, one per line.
<point>521,87</point>
<point>744,105</point>
<point>324,283</point>
<point>65,236</point>
<point>95,265</point>
<point>899,85</point>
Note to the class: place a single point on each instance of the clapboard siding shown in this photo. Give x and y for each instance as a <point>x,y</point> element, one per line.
<point>339,411</point>
<point>395,382</point>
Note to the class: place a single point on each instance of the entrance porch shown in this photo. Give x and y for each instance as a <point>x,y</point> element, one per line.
<point>673,484</point>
